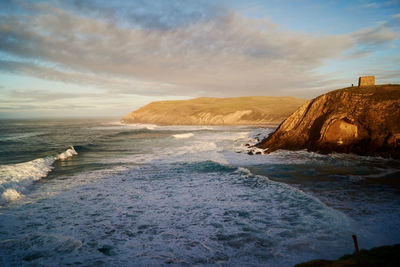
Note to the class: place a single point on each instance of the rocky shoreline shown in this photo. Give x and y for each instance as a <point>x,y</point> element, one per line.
<point>359,120</point>
<point>379,257</point>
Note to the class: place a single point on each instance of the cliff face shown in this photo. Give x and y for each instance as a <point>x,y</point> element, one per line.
<point>217,111</point>
<point>360,120</point>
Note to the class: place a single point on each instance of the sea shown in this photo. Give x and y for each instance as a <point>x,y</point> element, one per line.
<point>97,192</point>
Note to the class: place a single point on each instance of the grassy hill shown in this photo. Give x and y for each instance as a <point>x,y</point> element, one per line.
<point>254,110</point>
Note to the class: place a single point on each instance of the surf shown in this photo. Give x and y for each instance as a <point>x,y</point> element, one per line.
<point>183,136</point>
<point>15,178</point>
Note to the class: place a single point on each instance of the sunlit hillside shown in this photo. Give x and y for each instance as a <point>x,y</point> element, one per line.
<point>253,110</point>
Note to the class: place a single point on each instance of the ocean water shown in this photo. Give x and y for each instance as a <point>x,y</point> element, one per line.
<point>101,193</point>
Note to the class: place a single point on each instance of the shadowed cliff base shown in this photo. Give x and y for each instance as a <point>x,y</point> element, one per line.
<point>375,257</point>
<point>360,120</point>
<point>255,110</point>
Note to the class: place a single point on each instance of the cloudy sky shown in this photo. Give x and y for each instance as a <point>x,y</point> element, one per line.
<point>106,58</point>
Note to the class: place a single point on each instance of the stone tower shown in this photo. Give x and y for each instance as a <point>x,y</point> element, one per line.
<point>366,81</point>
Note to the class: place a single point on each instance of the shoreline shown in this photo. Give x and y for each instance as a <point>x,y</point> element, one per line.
<point>206,125</point>
<point>377,256</point>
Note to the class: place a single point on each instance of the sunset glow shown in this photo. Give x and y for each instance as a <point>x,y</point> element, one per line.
<point>96,58</point>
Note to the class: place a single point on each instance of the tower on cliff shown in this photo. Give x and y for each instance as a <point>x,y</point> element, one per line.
<point>366,81</point>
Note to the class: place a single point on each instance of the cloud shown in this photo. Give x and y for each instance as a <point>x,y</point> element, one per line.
<point>108,84</point>
<point>169,49</point>
<point>29,106</point>
<point>376,36</point>
<point>161,15</point>
<point>370,5</point>
<point>45,95</point>
<point>224,55</point>
<point>392,2</point>
<point>394,22</point>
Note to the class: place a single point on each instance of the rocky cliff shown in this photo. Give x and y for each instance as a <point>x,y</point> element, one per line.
<point>360,120</point>
<point>256,110</point>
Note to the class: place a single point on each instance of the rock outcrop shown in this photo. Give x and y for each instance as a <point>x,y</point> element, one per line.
<point>257,110</point>
<point>360,120</point>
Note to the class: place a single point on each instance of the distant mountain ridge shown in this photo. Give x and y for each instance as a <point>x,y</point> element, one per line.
<point>253,110</point>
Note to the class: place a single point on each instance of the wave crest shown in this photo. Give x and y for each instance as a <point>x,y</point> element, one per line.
<point>183,136</point>
<point>14,178</point>
<point>67,154</point>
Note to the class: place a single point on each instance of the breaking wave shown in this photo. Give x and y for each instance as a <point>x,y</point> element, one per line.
<point>14,178</point>
<point>183,136</point>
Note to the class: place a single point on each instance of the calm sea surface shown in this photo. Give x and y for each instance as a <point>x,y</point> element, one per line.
<point>98,192</point>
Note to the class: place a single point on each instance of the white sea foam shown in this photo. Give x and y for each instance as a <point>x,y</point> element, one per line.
<point>142,126</point>
<point>186,128</point>
<point>192,147</point>
<point>67,154</point>
<point>183,204</point>
<point>197,146</point>
<point>14,178</point>
<point>244,171</point>
<point>183,136</point>
<point>213,214</point>
<point>120,125</point>
<point>10,195</point>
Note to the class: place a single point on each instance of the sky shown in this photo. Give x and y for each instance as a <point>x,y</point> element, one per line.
<point>61,58</point>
